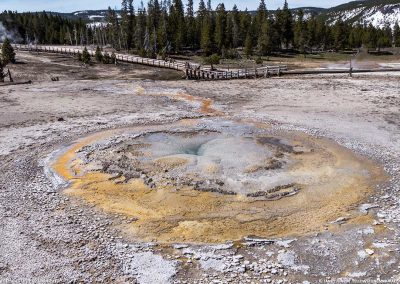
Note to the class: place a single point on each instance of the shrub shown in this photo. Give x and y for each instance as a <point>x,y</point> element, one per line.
<point>212,60</point>
<point>106,58</point>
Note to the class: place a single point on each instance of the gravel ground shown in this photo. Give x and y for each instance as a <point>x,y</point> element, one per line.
<point>49,237</point>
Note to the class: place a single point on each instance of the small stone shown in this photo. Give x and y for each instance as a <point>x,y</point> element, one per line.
<point>369,251</point>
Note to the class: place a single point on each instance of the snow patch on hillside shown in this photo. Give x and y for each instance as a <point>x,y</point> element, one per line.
<point>379,16</point>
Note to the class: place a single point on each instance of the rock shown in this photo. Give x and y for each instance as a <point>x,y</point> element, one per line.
<point>340,220</point>
<point>369,251</point>
<point>180,246</point>
<point>365,207</point>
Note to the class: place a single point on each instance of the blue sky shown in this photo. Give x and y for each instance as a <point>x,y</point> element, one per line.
<point>74,5</point>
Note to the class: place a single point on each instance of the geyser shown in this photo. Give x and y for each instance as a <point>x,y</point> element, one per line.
<point>214,180</point>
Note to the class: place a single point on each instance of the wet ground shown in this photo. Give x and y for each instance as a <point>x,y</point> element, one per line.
<point>127,180</point>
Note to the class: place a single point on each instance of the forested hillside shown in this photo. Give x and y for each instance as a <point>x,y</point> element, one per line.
<point>164,27</point>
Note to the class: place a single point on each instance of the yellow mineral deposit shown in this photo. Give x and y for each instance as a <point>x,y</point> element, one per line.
<point>331,187</point>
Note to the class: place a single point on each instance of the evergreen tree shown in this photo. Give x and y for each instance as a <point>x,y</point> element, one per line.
<point>191,25</point>
<point>300,32</point>
<point>236,33</point>
<point>212,60</point>
<point>245,25</point>
<point>85,56</point>
<point>340,35</point>
<point>285,21</point>
<point>162,34</point>
<point>106,58</point>
<point>265,45</point>
<point>206,43</point>
<point>140,27</point>
<point>162,27</point>
<point>205,22</point>
<point>262,14</point>
<point>262,28</point>
<point>2,75</point>
<point>248,48</point>
<point>396,35</point>
<point>177,24</point>
<point>98,54</point>
<point>131,25</point>
<point>7,53</point>
<point>113,28</point>
<point>220,27</point>
<point>79,56</point>
<point>125,23</point>
<point>113,58</point>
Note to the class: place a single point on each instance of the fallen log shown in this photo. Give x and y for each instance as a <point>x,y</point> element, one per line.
<point>15,83</point>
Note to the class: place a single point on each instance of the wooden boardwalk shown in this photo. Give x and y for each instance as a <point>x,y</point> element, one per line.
<point>265,72</point>
<point>186,67</point>
<point>120,57</point>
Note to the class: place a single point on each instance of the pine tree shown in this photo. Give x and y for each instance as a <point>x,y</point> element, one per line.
<point>79,56</point>
<point>140,27</point>
<point>162,35</point>
<point>190,25</point>
<point>98,54</point>
<point>245,24</point>
<point>396,35</point>
<point>106,58</point>
<point>235,18</point>
<point>264,41</point>
<point>205,24</point>
<point>131,25</point>
<point>2,75</point>
<point>85,56</point>
<point>300,32</point>
<point>285,19</point>
<point>220,27</point>
<point>177,24</point>
<point>262,14</point>
<point>114,31</point>
<point>248,48</point>
<point>206,43</point>
<point>212,60</point>
<point>7,52</point>
<point>113,58</point>
<point>340,35</point>
<point>125,22</point>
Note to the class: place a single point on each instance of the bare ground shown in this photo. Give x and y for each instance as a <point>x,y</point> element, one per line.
<point>48,236</point>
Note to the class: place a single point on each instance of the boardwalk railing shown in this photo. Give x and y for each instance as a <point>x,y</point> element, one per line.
<point>265,72</point>
<point>192,71</point>
<point>120,57</point>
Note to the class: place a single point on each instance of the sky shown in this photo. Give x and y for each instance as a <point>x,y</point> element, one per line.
<point>76,5</point>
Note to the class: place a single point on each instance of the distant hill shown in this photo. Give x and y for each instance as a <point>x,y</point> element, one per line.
<point>90,15</point>
<point>376,12</point>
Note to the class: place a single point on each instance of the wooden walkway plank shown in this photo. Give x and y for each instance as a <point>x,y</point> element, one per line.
<point>190,73</point>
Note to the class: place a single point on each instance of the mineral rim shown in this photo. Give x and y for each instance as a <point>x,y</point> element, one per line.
<point>215,180</point>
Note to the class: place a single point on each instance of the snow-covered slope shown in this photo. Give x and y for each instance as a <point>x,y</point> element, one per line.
<point>376,12</point>
<point>92,15</point>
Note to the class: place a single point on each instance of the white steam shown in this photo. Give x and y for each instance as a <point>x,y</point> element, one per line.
<point>11,35</point>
